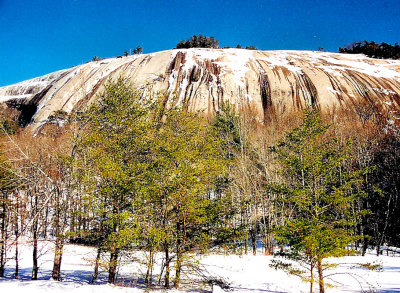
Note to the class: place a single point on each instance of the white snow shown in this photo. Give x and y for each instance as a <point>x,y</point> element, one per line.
<point>237,65</point>
<point>375,70</point>
<point>244,273</point>
<point>384,91</point>
<point>42,80</point>
<point>334,70</point>
<point>282,60</point>
<point>7,98</point>
<point>189,65</point>
<point>235,62</point>
<point>333,91</point>
<point>35,85</point>
<point>337,62</point>
<point>205,53</point>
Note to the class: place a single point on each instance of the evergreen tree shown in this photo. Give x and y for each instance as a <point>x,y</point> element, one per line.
<point>373,49</point>
<point>186,160</point>
<point>198,41</point>
<point>111,163</point>
<point>321,191</point>
<point>138,50</point>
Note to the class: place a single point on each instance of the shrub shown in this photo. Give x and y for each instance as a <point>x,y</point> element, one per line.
<point>9,126</point>
<point>138,50</point>
<point>199,41</point>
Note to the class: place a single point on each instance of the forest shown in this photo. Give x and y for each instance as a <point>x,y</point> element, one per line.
<point>373,49</point>
<point>134,173</point>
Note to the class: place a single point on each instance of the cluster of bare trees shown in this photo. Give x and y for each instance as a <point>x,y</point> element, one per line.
<point>37,199</point>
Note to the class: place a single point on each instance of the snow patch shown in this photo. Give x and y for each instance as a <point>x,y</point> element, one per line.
<point>333,70</point>
<point>237,65</point>
<point>337,63</point>
<point>362,66</point>
<point>7,98</point>
<point>334,91</point>
<point>282,60</point>
<point>384,91</point>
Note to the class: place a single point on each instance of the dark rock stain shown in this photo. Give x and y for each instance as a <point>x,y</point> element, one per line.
<point>266,98</point>
<point>311,90</point>
<point>27,108</point>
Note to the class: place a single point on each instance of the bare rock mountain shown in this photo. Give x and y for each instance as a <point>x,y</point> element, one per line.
<point>267,82</point>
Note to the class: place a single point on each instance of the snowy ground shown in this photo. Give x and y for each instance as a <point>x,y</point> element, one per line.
<point>246,273</point>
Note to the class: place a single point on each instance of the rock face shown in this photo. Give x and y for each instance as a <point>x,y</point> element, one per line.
<point>267,82</point>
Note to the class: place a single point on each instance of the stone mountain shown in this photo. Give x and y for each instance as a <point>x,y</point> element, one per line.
<point>266,82</point>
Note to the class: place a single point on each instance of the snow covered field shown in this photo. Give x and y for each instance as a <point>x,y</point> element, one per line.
<point>246,273</point>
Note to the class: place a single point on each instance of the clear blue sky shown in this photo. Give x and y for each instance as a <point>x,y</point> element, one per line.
<point>41,36</point>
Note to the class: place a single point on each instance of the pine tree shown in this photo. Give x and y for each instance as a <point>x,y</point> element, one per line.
<point>321,190</point>
<point>198,41</point>
<point>186,160</point>
<point>111,161</point>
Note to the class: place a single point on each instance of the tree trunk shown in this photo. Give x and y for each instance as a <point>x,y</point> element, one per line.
<point>3,239</point>
<point>253,235</point>
<point>16,259</point>
<point>167,269</point>
<point>35,238</point>
<point>178,263</point>
<point>35,251</point>
<point>46,215</point>
<point>16,240</point>
<point>378,243</point>
<point>246,244</point>
<point>72,223</point>
<point>149,273</point>
<point>364,246</point>
<point>178,266</point>
<point>112,268</point>
<point>178,272</point>
<point>312,277</point>
<point>99,248</point>
<point>96,266</point>
<point>320,277</point>
<point>363,241</point>
<point>56,275</point>
<point>381,234</point>
<point>269,247</point>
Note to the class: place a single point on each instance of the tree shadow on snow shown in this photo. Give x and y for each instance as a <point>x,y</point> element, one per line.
<point>85,277</point>
<point>392,269</point>
<point>243,289</point>
<point>67,276</point>
<point>192,286</point>
<point>25,274</point>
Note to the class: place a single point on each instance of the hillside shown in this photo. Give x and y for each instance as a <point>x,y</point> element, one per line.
<point>265,82</point>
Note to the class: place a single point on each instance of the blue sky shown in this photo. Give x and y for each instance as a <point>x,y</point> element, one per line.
<point>41,36</point>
